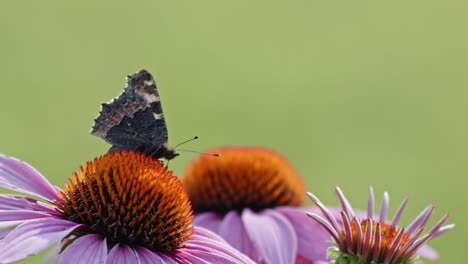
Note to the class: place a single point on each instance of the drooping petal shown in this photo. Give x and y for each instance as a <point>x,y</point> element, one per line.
<point>207,246</point>
<point>192,258</point>
<point>19,176</point>
<point>4,233</point>
<point>208,220</point>
<point>121,254</point>
<point>302,260</point>
<point>170,259</point>
<point>14,202</point>
<point>33,237</point>
<point>88,249</point>
<point>427,252</point>
<point>233,231</point>
<point>313,239</point>
<point>203,233</point>
<point>9,218</point>
<point>146,256</point>
<point>52,256</point>
<point>272,234</point>
<point>199,254</point>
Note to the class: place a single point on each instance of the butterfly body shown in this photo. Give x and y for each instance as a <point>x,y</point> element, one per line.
<point>134,120</point>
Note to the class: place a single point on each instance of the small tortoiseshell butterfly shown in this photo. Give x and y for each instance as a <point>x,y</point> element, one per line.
<point>134,120</point>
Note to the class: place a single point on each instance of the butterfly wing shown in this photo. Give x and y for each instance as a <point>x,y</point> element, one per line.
<point>134,120</point>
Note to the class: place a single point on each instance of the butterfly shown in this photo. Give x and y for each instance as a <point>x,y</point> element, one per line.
<point>134,120</point>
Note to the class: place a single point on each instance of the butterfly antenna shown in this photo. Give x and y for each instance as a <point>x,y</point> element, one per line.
<point>186,141</point>
<point>201,153</point>
<point>192,151</point>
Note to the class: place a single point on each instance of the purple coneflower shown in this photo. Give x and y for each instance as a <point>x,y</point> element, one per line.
<point>251,197</point>
<point>120,208</point>
<point>363,240</point>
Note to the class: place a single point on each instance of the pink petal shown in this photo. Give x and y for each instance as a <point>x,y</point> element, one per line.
<point>345,203</point>
<point>209,220</point>
<point>204,254</point>
<point>33,237</point>
<point>19,176</point>
<point>4,233</point>
<point>207,246</point>
<point>53,255</point>
<point>233,231</point>
<point>272,234</point>
<point>397,216</point>
<point>171,259</point>
<point>146,256</point>
<point>204,233</point>
<point>121,254</point>
<point>384,208</point>
<point>313,239</point>
<point>9,218</point>
<point>192,258</point>
<point>427,252</point>
<point>90,249</point>
<point>14,202</point>
<point>302,260</point>
<point>370,203</point>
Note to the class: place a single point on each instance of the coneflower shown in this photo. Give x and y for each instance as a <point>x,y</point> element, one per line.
<point>366,240</point>
<point>122,207</point>
<point>251,196</point>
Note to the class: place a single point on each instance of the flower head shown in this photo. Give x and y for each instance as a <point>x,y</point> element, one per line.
<point>369,239</point>
<point>122,207</point>
<point>250,196</point>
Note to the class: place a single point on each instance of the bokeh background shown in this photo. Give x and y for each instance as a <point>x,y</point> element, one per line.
<point>353,93</point>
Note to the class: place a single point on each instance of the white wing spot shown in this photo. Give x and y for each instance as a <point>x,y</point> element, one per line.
<point>151,98</point>
<point>157,116</point>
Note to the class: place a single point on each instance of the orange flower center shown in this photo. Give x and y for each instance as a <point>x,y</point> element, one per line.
<point>131,199</point>
<point>254,178</point>
<point>388,234</point>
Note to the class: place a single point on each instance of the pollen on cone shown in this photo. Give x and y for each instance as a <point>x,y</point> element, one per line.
<point>129,198</point>
<point>242,177</point>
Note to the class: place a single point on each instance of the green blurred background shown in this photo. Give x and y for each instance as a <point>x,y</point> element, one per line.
<point>353,93</point>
